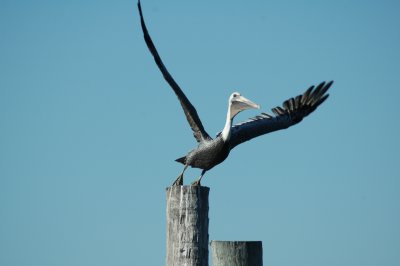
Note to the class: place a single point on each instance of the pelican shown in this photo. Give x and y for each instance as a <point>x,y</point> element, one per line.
<point>211,152</point>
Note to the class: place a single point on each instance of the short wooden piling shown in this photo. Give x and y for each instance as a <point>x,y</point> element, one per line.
<point>236,253</point>
<point>187,226</point>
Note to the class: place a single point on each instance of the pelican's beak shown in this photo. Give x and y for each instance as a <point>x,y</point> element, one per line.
<point>245,103</point>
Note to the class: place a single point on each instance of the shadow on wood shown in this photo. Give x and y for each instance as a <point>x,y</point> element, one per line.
<point>236,253</point>
<point>187,225</point>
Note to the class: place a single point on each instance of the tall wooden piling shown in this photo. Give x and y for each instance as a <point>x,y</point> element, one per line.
<point>187,226</point>
<point>237,253</point>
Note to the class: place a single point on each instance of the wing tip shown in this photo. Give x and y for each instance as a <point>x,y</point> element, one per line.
<point>139,7</point>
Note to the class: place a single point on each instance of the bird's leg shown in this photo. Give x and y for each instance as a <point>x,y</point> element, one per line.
<point>179,180</point>
<point>197,182</point>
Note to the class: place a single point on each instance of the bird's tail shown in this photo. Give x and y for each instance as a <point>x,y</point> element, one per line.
<point>181,160</point>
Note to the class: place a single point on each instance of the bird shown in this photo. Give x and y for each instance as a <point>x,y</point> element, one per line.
<point>213,151</point>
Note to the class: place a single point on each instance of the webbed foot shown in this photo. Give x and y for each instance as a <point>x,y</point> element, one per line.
<point>196,183</point>
<point>178,181</point>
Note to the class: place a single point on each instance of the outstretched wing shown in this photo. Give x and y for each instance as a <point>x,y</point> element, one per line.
<point>292,112</point>
<point>190,112</point>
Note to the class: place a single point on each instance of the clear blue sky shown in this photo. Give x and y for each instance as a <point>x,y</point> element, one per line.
<point>89,130</point>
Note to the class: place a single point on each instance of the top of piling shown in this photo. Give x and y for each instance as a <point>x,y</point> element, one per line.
<point>188,188</point>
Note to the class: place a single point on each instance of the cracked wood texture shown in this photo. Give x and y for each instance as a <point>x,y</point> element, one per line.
<point>237,253</point>
<point>187,226</point>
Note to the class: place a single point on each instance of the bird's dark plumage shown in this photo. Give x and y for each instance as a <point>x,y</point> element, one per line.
<point>211,152</point>
<point>292,112</point>
<point>190,112</point>
<point>207,154</point>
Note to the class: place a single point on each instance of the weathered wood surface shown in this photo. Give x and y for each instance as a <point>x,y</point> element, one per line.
<point>187,226</point>
<point>236,253</point>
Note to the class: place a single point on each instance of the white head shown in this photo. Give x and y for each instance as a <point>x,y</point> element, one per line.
<point>238,103</point>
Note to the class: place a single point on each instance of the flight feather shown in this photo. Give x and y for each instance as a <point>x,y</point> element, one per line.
<point>290,113</point>
<point>191,114</point>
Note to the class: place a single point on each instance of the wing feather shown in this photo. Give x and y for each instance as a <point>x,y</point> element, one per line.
<point>292,112</point>
<point>191,114</point>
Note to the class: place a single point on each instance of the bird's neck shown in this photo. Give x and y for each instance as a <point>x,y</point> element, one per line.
<point>226,132</point>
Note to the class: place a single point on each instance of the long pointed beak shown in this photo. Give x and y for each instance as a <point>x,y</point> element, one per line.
<point>247,104</point>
